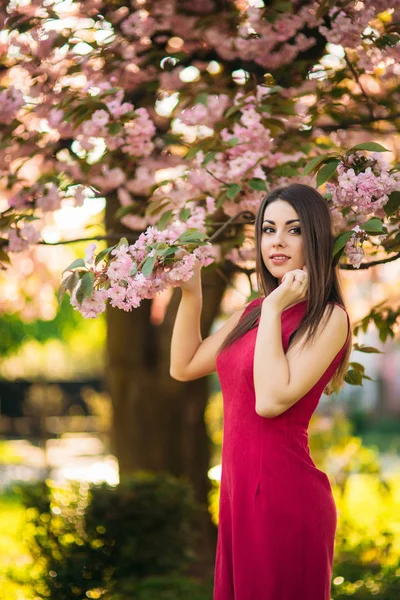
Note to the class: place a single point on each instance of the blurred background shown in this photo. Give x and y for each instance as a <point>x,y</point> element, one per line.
<point>56,421</point>
<point>109,469</point>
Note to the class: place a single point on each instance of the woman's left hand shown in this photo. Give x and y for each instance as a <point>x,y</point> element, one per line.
<point>292,289</point>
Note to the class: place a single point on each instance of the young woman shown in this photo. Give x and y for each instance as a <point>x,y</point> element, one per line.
<point>274,358</point>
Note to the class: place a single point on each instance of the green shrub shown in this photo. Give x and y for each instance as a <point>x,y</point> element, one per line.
<point>162,588</point>
<point>365,568</point>
<point>85,539</point>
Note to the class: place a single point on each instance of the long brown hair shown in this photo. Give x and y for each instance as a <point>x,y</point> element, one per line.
<point>323,286</point>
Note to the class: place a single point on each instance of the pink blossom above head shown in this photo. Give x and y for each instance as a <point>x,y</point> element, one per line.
<point>182,270</point>
<point>15,242</point>
<point>210,205</point>
<point>91,307</point>
<point>90,252</point>
<point>354,252</point>
<point>50,200</point>
<point>205,254</point>
<point>120,268</point>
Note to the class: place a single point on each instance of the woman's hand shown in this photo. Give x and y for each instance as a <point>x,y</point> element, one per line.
<point>193,285</point>
<point>292,289</point>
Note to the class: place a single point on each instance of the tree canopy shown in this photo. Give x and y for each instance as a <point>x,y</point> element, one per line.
<point>182,115</point>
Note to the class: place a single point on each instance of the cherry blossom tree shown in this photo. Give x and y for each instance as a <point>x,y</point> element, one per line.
<point>181,115</point>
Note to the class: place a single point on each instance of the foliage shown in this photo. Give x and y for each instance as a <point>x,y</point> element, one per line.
<point>366,569</point>
<point>14,556</point>
<point>84,540</point>
<point>162,588</point>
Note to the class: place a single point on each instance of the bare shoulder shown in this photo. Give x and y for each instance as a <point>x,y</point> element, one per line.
<point>336,326</point>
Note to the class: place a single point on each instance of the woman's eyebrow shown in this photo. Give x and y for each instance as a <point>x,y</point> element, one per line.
<point>287,222</point>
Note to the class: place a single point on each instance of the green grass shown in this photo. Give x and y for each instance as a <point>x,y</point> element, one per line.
<point>14,558</point>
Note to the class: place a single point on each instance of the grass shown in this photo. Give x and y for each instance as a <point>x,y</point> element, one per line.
<point>14,558</point>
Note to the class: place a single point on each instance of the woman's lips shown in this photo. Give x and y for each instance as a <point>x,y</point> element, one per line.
<point>279,260</point>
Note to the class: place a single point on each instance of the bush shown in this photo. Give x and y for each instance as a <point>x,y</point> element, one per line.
<point>162,588</point>
<point>85,539</point>
<point>366,568</point>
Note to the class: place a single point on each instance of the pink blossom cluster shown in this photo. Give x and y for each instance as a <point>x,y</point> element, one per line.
<point>121,280</point>
<point>269,44</point>
<point>348,25</point>
<point>354,247</point>
<point>134,136</point>
<point>364,183</point>
<point>11,100</point>
<point>206,114</point>
<point>20,238</point>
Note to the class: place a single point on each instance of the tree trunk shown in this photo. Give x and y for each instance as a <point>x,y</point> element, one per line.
<point>158,423</point>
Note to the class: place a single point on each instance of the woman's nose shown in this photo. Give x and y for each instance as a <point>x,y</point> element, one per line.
<point>278,239</point>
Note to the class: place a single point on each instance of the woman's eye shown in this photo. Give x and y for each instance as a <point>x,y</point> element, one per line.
<point>293,229</point>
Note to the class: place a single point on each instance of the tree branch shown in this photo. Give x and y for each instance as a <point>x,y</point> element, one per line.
<point>350,123</point>
<point>96,238</point>
<point>367,265</point>
<point>364,93</point>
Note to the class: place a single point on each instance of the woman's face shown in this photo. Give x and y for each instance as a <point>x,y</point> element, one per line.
<point>281,234</point>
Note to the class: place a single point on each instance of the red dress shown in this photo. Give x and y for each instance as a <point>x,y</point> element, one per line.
<point>277,515</point>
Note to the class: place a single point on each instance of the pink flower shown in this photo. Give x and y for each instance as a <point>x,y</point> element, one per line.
<point>120,268</point>
<point>50,200</point>
<point>90,307</point>
<point>89,252</point>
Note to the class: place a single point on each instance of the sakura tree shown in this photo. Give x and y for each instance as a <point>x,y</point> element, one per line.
<point>181,115</point>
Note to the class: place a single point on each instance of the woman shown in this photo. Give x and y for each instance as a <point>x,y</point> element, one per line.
<point>274,359</point>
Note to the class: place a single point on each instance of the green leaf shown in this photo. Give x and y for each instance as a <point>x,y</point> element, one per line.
<point>369,146</point>
<point>122,242</point>
<point>148,266</point>
<point>341,241</point>
<point>208,158</point>
<point>165,219</point>
<point>314,162</point>
<point>4,258</point>
<point>192,235</point>
<point>257,184</point>
<point>192,152</point>
<point>103,254</point>
<point>184,214</point>
<point>366,349</point>
<point>233,190</point>
<point>201,98</point>
<point>353,377</point>
<point>76,264</point>
<point>126,210</point>
<point>231,111</point>
<point>373,226</point>
<point>67,284</point>
<point>327,171</point>
<point>114,128</point>
<point>233,141</point>
<point>109,92</point>
<point>167,251</point>
<point>85,289</point>
<point>393,204</point>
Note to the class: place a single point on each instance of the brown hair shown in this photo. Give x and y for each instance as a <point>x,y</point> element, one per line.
<point>323,287</point>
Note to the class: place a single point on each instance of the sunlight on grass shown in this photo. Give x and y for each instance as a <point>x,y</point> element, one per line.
<point>14,557</point>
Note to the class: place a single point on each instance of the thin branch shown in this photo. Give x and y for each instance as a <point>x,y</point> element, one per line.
<point>96,238</point>
<point>364,93</point>
<point>365,121</point>
<point>367,265</point>
<point>248,218</point>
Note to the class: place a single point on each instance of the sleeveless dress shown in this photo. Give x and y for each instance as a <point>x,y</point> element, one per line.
<point>277,515</point>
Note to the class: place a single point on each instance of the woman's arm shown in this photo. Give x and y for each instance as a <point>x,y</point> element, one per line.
<point>192,357</point>
<point>281,380</point>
